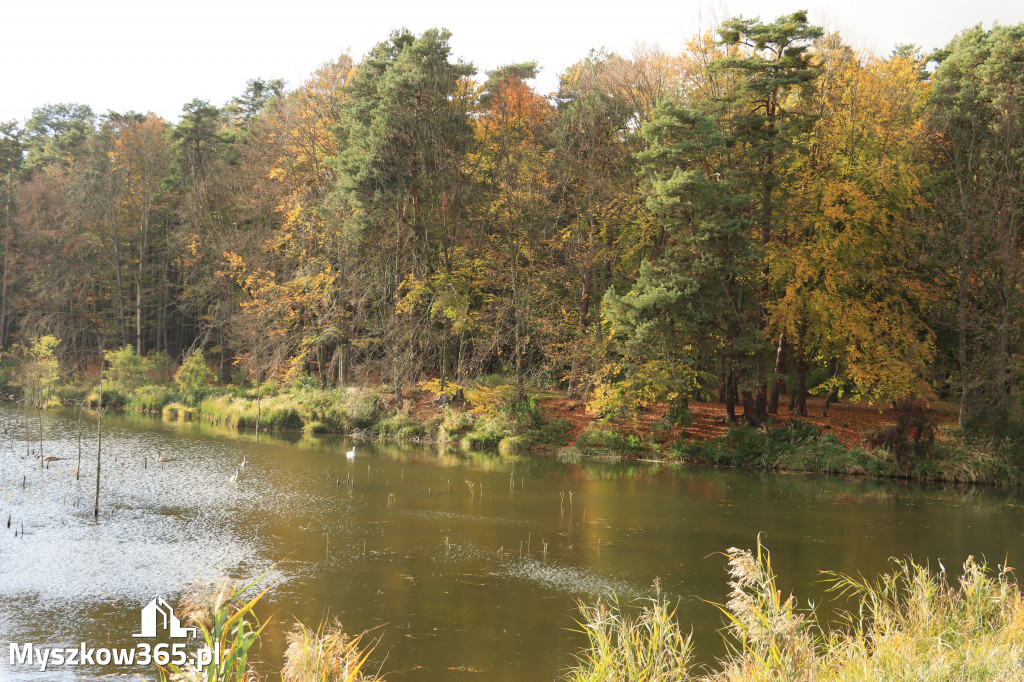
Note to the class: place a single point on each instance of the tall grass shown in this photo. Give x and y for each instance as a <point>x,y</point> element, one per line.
<point>324,655</point>
<point>225,618</point>
<point>224,615</point>
<point>648,648</point>
<point>911,624</point>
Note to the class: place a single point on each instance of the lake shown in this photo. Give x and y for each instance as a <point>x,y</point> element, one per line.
<point>468,566</point>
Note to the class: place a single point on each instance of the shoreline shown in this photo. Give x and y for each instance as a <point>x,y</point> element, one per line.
<point>371,413</point>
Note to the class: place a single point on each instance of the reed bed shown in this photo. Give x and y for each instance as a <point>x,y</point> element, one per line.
<point>912,623</point>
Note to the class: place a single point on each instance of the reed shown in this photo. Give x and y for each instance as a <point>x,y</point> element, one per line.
<point>326,654</point>
<point>224,616</point>
<point>910,624</point>
<point>648,648</point>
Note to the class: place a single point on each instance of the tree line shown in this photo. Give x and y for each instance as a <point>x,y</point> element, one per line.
<point>765,214</point>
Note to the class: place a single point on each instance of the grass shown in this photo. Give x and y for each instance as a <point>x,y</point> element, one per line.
<point>223,614</point>
<point>910,624</point>
<point>152,399</point>
<point>799,446</point>
<point>400,426</point>
<point>599,439</point>
<point>225,619</point>
<point>326,654</point>
<point>647,648</point>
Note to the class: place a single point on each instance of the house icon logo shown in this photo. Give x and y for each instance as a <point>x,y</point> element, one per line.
<point>159,614</point>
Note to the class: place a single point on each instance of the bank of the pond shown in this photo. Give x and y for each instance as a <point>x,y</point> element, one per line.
<point>914,447</point>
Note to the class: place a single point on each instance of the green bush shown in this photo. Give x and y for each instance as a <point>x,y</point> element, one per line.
<point>603,438</point>
<point>487,432</point>
<point>126,371</point>
<point>71,394</point>
<point>161,363</point>
<point>456,423</point>
<point>105,398</point>
<point>554,432</point>
<point>193,377</point>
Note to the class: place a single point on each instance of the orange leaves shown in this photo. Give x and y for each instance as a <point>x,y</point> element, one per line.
<point>842,273</point>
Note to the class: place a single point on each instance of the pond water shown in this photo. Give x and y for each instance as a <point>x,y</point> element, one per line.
<point>469,566</point>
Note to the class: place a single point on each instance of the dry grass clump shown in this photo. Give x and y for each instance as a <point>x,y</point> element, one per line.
<point>325,655</point>
<point>910,624</point>
<point>649,648</point>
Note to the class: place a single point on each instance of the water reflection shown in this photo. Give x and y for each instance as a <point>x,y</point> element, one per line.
<point>470,563</point>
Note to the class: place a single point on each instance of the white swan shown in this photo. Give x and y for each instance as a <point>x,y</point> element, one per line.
<point>233,479</point>
<point>351,454</point>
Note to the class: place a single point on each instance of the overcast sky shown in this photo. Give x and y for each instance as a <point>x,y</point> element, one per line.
<point>146,56</point>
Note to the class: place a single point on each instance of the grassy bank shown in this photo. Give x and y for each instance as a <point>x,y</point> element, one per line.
<point>489,414</point>
<point>910,624</point>
<point>798,446</point>
<point>494,420</point>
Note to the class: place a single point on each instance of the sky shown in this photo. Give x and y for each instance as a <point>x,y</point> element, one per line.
<point>154,56</point>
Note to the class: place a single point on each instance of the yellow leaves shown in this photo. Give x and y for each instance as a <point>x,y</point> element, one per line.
<point>489,402</point>
<point>441,386</point>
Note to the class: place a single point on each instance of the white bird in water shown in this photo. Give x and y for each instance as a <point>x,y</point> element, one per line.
<point>161,460</point>
<point>351,453</point>
<point>245,461</point>
<point>233,479</point>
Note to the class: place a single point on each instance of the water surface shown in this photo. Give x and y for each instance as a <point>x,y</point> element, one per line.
<point>468,566</point>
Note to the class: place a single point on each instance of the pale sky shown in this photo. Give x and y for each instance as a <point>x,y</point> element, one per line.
<point>146,56</point>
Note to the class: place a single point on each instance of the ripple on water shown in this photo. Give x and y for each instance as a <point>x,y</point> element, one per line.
<point>578,581</point>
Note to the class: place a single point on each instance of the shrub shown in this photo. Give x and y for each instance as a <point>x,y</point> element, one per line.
<point>597,438</point>
<point>912,436</point>
<point>161,363</point>
<point>69,394</point>
<point>125,370</point>
<point>193,377</point>
<point>456,423</point>
<point>554,432</point>
<point>106,397</point>
<point>399,427</point>
<point>487,432</point>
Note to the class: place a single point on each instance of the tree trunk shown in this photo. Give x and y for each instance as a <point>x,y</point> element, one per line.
<point>730,395</point>
<point>780,368</point>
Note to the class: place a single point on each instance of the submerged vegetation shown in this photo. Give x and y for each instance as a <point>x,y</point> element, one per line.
<point>909,624</point>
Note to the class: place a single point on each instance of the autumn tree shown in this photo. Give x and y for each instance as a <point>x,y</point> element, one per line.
<point>845,259</point>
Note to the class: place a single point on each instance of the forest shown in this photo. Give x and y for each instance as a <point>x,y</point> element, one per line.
<point>764,215</point>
